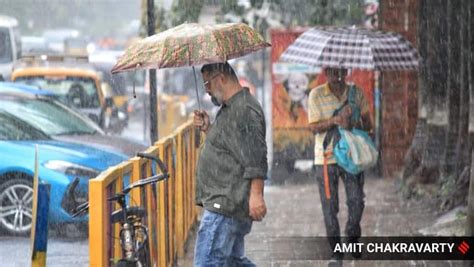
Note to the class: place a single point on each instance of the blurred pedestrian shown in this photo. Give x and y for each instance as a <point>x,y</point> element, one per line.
<point>230,171</point>
<point>324,100</point>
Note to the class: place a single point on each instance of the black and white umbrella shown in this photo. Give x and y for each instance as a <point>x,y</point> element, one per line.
<point>352,48</point>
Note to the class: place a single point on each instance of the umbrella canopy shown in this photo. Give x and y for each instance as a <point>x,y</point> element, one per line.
<point>191,44</point>
<point>352,48</point>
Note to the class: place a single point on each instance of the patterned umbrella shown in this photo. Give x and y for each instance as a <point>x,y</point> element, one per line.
<point>191,44</point>
<point>352,48</point>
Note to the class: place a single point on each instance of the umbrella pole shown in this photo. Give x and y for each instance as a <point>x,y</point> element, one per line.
<point>196,86</point>
<point>197,130</point>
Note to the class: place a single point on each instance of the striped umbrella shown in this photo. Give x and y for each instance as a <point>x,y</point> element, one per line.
<point>352,48</point>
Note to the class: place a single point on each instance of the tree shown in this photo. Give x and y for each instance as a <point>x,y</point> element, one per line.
<point>185,11</point>
<point>160,22</point>
<point>316,12</point>
<point>339,12</point>
<point>442,147</point>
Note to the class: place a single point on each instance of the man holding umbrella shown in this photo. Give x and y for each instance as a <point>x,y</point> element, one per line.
<point>323,102</point>
<point>233,161</point>
<point>230,171</point>
<point>336,50</point>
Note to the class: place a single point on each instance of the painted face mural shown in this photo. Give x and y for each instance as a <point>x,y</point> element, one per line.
<point>297,88</point>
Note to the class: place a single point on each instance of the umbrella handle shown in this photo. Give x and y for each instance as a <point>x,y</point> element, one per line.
<point>197,136</point>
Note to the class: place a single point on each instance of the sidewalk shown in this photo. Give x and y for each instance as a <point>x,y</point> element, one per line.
<point>286,237</point>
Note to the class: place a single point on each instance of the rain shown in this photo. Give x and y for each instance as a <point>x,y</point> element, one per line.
<point>84,89</point>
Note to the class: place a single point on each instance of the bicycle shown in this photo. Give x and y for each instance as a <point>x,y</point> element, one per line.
<point>133,234</point>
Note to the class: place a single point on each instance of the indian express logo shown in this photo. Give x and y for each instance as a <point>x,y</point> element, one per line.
<point>410,248</point>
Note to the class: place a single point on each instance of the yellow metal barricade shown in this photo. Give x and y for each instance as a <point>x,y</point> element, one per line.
<point>103,248</point>
<point>170,204</point>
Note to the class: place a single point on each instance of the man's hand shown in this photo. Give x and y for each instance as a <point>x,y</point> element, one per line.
<point>257,207</point>
<point>343,119</point>
<point>346,111</point>
<point>201,119</point>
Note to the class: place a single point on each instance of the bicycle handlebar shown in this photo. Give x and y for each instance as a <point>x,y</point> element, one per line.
<point>140,183</point>
<point>155,159</point>
<point>80,209</point>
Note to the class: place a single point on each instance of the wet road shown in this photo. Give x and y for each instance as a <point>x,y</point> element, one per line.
<point>284,238</point>
<point>16,252</point>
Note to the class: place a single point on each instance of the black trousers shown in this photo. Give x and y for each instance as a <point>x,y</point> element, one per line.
<point>354,185</point>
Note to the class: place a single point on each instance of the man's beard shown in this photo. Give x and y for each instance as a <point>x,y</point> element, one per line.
<point>215,101</point>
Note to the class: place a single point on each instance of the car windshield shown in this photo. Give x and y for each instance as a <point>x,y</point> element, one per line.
<point>15,129</point>
<point>49,116</point>
<point>5,46</point>
<point>78,92</point>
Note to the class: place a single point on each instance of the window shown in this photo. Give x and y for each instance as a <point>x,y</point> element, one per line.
<point>5,46</point>
<point>14,129</point>
<point>79,92</point>
<point>48,116</point>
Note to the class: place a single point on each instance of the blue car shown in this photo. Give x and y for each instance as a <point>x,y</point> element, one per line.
<point>59,163</point>
<point>39,109</point>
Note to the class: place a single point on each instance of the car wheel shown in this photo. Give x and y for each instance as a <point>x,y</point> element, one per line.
<point>16,202</point>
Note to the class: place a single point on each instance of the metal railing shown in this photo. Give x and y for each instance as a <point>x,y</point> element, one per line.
<point>170,204</point>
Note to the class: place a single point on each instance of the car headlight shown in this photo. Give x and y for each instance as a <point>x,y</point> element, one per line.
<point>121,115</point>
<point>71,169</point>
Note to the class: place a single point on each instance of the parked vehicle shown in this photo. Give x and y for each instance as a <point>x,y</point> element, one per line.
<point>10,45</point>
<point>114,86</point>
<point>76,84</point>
<point>59,163</point>
<point>39,109</point>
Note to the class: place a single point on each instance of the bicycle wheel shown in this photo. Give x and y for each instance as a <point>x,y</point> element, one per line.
<point>144,255</point>
<point>125,263</point>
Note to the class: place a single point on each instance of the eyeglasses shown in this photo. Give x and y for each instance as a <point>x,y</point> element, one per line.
<point>207,82</point>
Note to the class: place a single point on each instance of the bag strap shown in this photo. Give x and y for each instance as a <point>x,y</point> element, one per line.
<point>331,135</point>
<point>333,132</point>
<point>351,99</point>
<point>326,174</point>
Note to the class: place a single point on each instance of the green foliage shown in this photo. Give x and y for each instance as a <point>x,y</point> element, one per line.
<point>289,13</point>
<point>160,22</point>
<point>231,6</point>
<point>447,185</point>
<point>110,17</point>
<point>258,3</point>
<point>452,192</point>
<point>185,11</point>
<point>337,12</point>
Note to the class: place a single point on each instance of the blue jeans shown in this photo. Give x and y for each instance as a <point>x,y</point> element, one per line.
<point>220,241</point>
